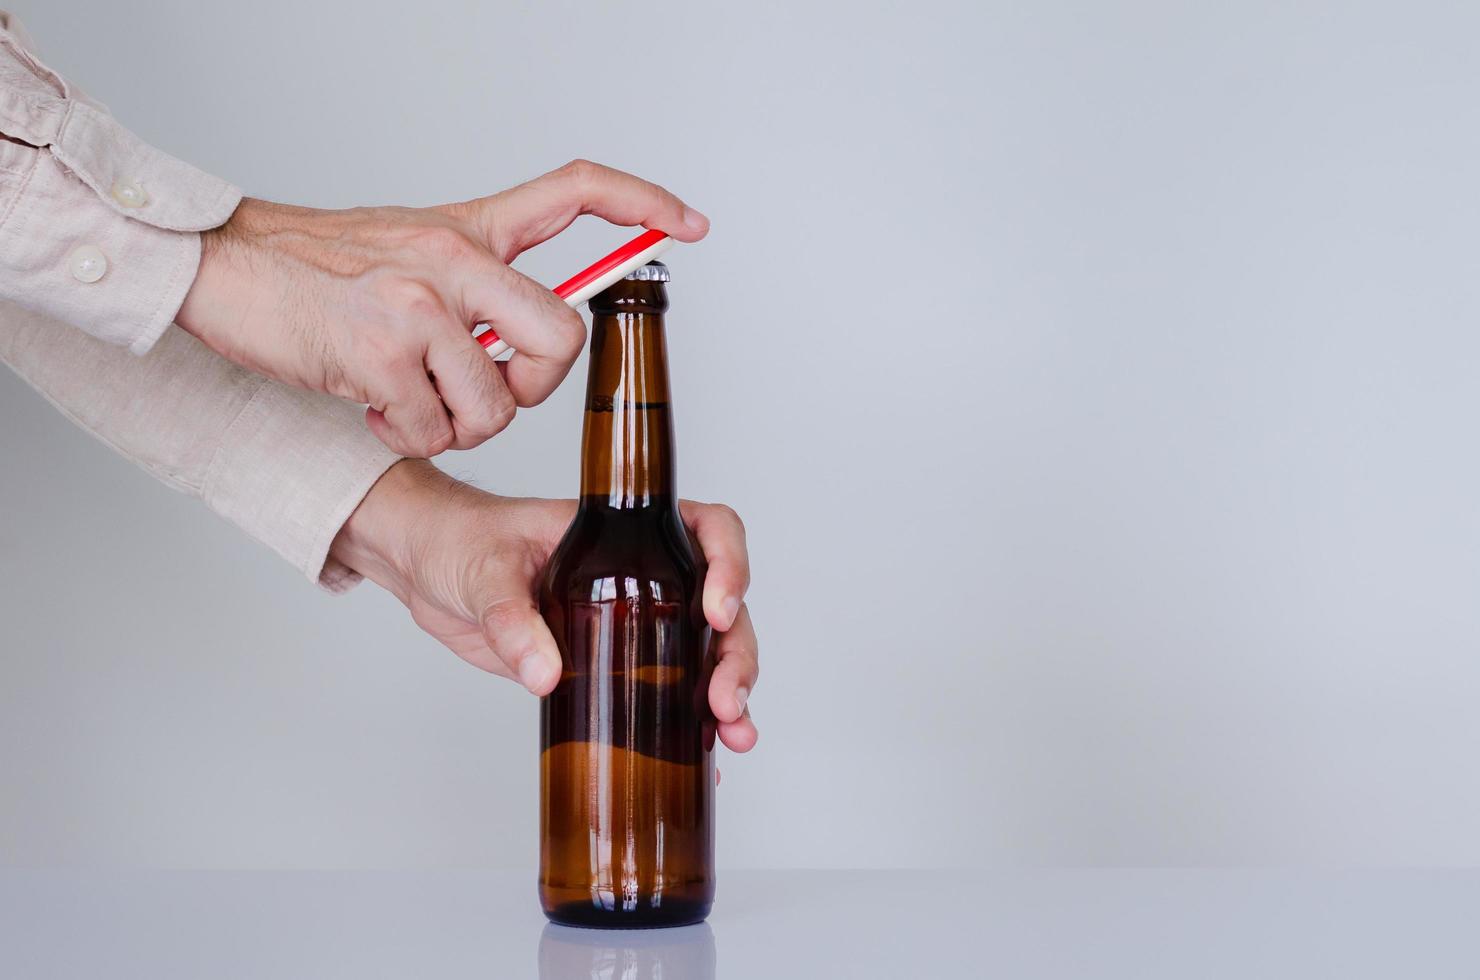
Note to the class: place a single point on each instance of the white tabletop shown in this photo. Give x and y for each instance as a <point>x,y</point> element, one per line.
<point>823,924</point>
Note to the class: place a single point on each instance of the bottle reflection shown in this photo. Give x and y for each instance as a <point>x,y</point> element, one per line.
<point>685,953</point>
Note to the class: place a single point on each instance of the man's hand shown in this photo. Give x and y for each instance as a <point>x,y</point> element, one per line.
<point>377,305</point>
<point>466,564</point>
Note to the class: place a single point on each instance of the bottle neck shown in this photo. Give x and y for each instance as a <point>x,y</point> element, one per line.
<point>627,454</point>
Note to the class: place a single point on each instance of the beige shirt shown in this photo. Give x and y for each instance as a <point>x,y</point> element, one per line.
<point>99,243</point>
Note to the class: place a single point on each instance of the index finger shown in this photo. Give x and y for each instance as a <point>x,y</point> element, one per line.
<point>524,216</point>
<point>722,536</point>
<point>546,334</point>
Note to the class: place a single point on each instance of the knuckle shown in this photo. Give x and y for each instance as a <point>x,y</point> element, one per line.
<point>728,514</point>
<point>580,171</point>
<point>397,374</point>
<point>494,406</point>
<point>491,422</point>
<point>428,447</point>
<point>571,334</point>
<point>562,331</point>
<point>459,369</point>
<point>500,417</point>
<point>443,441</point>
<point>744,655</point>
<point>446,242</point>
<point>504,621</point>
<point>412,298</point>
<point>431,430</point>
<point>386,352</point>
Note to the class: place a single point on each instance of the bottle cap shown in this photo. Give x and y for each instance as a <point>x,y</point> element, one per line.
<point>594,278</point>
<point>652,272</point>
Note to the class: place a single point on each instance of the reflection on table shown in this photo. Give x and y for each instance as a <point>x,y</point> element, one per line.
<point>686,953</point>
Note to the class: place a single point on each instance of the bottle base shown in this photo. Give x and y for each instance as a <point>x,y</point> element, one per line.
<point>672,913</point>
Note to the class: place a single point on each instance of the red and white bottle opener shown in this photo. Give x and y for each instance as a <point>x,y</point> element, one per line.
<point>596,277</point>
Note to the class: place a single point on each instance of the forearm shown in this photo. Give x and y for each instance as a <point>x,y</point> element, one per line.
<point>286,466</point>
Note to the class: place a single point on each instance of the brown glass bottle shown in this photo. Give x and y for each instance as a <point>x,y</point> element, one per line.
<point>627,739</point>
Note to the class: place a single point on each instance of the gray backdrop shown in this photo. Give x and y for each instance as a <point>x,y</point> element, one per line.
<point>1097,382</point>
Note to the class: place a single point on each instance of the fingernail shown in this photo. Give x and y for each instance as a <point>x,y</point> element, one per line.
<point>533,672</point>
<point>731,607</point>
<point>742,694</point>
<point>693,220</point>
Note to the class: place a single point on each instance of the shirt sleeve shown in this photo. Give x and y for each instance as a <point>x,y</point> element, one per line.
<point>285,465</point>
<point>98,229</point>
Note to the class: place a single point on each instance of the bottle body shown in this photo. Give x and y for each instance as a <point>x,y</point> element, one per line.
<point>626,764</point>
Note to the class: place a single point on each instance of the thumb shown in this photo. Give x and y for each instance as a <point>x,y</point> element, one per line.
<point>518,636</point>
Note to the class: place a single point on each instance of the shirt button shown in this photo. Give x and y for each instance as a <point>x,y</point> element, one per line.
<point>87,263</point>
<point>129,194</point>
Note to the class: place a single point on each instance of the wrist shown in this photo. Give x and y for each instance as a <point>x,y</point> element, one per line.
<point>212,297</point>
<point>378,540</point>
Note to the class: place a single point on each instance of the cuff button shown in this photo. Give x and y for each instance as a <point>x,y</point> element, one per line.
<point>129,194</point>
<point>87,263</point>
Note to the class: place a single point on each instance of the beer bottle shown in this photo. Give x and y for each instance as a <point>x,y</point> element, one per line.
<point>627,738</point>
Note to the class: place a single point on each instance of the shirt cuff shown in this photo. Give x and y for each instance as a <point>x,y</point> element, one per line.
<point>66,255</point>
<point>97,228</point>
<point>291,469</point>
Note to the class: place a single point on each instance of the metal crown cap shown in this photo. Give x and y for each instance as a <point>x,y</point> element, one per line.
<point>654,271</point>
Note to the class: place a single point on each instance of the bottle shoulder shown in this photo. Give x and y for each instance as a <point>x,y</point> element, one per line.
<point>615,557</point>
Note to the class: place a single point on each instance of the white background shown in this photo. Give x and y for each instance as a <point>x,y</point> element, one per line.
<point>1097,382</point>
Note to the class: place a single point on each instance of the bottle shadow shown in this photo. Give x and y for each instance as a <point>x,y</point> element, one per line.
<point>568,953</point>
